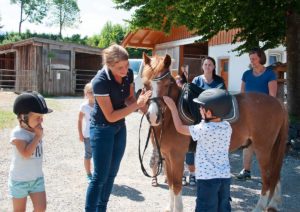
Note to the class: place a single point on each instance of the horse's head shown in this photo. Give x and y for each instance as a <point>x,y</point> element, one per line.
<point>157,77</point>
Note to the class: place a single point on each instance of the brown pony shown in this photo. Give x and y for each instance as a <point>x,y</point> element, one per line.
<point>262,123</point>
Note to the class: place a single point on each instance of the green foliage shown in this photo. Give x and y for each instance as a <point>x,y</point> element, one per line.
<point>10,37</point>
<point>109,34</point>
<point>64,14</point>
<point>137,53</point>
<point>7,119</point>
<point>261,22</point>
<point>32,10</point>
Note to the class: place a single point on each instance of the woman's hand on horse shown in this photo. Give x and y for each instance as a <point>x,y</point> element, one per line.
<point>169,102</point>
<point>143,98</point>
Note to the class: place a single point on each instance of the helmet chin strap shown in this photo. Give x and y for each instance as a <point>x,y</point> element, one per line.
<point>24,119</point>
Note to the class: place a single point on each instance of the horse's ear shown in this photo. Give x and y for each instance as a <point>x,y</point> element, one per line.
<point>167,61</point>
<point>147,60</point>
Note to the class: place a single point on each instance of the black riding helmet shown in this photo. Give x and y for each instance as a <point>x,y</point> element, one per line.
<point>30,102</point>
<point>218,101</point>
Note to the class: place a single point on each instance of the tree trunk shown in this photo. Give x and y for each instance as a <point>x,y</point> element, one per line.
<point>293,61</point>
<point>60,21</point>
<point>21,18</point>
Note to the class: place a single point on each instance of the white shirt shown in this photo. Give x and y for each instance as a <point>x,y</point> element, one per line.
<point>86,109</point>
<point>25,169</point>
<point>211,158</point>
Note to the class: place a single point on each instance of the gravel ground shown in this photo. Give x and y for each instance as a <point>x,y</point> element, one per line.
<point>65,177</point>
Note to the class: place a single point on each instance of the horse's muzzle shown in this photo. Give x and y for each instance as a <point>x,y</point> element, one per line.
<point>154,114</point>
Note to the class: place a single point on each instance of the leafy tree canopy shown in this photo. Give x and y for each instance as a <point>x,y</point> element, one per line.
<point>32,10</point>
<point>258,21</point>
<point>64,14</point>
<point>110,34</point>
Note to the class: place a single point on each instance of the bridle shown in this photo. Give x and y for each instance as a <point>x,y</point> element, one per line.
<point>159,101</point>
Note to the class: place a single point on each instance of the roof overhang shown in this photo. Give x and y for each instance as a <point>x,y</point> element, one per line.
<point>143,38</point>
<point>150,39</point>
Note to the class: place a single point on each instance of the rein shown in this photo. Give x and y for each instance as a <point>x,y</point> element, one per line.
<point>141,156</point>
<point>151,129</point>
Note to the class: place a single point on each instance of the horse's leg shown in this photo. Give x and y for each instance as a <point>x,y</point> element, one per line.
<point>177,163</point>
<point>262,203</point>
<point>272,205</point>
<point>263,158</point>
<point>168,170</point>
<point>276,199</point>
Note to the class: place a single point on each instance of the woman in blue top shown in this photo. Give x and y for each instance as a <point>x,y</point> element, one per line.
<point>258,79</point>
<point>209,79</point>
<point>114,94</point>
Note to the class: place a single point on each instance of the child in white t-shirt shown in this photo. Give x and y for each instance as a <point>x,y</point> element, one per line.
<point>213,139</point>
<point>84,131</point>
<point>26,176</point>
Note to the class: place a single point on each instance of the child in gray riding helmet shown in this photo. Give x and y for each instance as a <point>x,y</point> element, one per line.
<point>26,176</point>
<point>213,139</point>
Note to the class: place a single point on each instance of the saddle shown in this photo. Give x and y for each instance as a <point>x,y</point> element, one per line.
<point>189,110</point>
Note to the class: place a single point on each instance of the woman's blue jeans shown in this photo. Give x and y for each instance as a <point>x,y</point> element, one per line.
<point>108,144</point>
<point>213,195</point>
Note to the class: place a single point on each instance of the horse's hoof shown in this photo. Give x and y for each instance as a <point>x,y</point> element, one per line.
<point>271,209</point>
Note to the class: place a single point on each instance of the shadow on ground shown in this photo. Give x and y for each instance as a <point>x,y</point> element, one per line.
<point>126,191</point>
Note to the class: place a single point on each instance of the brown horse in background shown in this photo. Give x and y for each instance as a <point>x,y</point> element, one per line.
<point>262,123</point>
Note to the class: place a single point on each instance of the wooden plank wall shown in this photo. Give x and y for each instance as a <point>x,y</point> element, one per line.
<point>223,37</point>
<point>26,73</point>
<point>61,82</point>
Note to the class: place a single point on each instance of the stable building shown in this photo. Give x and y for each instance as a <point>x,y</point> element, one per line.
<point>47,66</point>
<point>183,46</point>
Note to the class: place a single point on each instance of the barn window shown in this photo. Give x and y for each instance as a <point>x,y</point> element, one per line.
<point>174,53</point>
<point>60,59</point>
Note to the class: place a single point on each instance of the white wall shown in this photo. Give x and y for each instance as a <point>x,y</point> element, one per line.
<point>238,64</point>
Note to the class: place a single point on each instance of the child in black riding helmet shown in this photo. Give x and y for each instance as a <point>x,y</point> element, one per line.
<point>26,177</point>
<point>213,138</point>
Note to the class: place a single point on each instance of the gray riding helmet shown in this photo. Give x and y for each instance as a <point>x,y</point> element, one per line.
<point>218,101</point>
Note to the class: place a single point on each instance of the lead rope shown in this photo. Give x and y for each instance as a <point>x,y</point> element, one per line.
<point>141,156</point>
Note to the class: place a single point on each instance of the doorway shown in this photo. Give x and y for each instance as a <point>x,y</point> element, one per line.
<point>224,64</point>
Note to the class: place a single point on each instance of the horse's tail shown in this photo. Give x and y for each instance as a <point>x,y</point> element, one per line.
<point>277,154</point>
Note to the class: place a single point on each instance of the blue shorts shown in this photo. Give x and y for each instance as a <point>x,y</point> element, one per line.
<point>87,149</point>
<point>190,158</point>
<point>21,189</point>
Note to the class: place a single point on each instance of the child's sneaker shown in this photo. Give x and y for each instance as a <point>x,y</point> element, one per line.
<point>244,175</point>
<point>192,180</point>
<point>184,182</point>
<point>89,178</point>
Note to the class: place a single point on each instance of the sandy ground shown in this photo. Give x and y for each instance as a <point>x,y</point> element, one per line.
<point>65,177</point>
